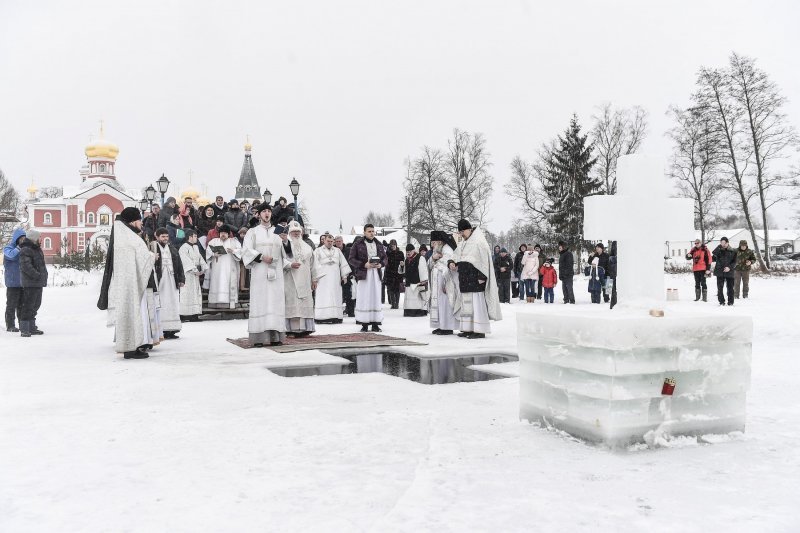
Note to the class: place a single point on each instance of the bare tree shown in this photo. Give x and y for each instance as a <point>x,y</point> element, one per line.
<point>616,132</point>
<point>767,130</point>
<point>10,205</point>
<point>415,201</point>
<point>51,192</point>
<point>468,183</point>
<point>526,187</point>
<point>380,220</point>
<point>727,118</point>
<point>695,163</point>
<point>428,173</point>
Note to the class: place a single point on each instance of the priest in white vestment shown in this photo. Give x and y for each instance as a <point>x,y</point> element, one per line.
<point>129,267</point>
<point>225,254</point>
<point>480,300</point>
<point>262,254</point>
<point>443,283</point>
<point>194,266</point>
<point>169,270</point>
<point>367,257</point>
<point>329,273</point>
<point>297,282</point>
<point>415,302</point>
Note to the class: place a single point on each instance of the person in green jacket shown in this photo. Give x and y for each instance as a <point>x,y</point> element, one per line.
<point>744,262</point>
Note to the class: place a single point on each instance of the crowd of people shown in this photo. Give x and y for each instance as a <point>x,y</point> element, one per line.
<point>161,261</point>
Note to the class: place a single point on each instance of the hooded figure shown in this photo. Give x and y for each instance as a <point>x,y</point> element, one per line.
<point>297,282</point>
<point>12,278</point>
<point>33,277</point>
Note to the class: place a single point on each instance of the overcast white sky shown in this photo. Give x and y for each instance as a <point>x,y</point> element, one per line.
<point>338,93</point>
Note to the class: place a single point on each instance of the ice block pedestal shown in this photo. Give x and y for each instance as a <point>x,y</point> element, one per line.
<point>600,375</point>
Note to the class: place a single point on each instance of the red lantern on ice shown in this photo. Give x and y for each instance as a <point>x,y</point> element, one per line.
<point>669,387</point>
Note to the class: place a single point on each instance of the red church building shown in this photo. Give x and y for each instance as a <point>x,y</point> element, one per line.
<point>83,215</point>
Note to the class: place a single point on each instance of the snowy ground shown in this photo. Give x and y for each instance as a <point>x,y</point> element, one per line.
<point>202,437</point>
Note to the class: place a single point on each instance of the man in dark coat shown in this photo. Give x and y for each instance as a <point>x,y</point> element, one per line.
<point>724,258</point>
<point>566,271</point>
<point>150,223</point>
<point>219,206</point>
<point>744,262</point>
<point>393,278</point>
<point>33,275</point>
<point>502,268</point>
<point>13,280</point>
<point>602,257</point>
<point>235,218</point>
<point>347,287</point>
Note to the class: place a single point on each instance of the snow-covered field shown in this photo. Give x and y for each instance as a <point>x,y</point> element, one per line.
<point>202,437</point>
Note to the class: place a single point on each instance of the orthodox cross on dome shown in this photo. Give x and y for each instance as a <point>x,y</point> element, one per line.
<point>641,218</point>
<point>102,130</point>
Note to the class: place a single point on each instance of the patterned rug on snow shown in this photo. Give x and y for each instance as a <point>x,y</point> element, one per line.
<point>328,342</point>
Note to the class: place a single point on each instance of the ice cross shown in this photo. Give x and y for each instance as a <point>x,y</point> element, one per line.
<point>641,219</point>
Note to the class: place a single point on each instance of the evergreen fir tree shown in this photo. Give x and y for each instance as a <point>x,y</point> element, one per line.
<point>567,181</point>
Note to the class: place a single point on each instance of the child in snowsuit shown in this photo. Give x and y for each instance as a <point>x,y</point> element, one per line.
<point>549,278</point>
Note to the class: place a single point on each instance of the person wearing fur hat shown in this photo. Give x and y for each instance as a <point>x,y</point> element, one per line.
<point>263,256</point>
<point>33,277</point>
<point>126,291</point>
<point>194,266</point>
<point>12,279</point>
<point>297,282</point>
<point>741,274</point>
<point>479,298</point>
<point>393,276</point>
<point>366,258</point>
<point>503,266</point>
<point>224,255</point>
<point>415,302</point>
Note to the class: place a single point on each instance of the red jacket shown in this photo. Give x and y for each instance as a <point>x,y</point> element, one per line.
<point>700,258</point>
<point>549,276</point>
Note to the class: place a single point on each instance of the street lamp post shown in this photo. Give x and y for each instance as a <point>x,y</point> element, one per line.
<point>294,186</point>
<point>163,184</point>
<point>143,204</point>
<point>267,196</point>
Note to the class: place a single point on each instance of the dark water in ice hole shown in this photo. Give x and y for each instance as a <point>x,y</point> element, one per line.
<point>425,371</point>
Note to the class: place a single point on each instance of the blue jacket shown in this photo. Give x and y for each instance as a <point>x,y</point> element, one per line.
<point>11,260</point>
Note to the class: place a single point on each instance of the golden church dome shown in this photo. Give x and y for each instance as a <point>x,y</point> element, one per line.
<point>101,147</point>
<point>32,188</point>
<point>190,191</point>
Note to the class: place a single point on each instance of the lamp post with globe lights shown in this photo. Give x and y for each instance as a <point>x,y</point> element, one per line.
<point>294,186</point>
<point>163,184</point>
<point>267,196</point>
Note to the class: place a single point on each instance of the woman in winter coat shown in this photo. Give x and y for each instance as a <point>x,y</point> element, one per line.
<point>530,274</point>
<point>596,275</point>
<point>393,278</point>
<point>518,270</point>
<point>206,221</point>
<point>33,275</point>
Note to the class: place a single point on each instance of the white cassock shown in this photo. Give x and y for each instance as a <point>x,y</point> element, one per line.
<point>476,309</point>
<point>297,284</point>
<point>191,292</point>
<point>128,310</point>
<point>369,309</point>
<point>168,292</point>
<point>329,268</point>
<point>267,317</point>
<point>443,282</point>
<point>416,294</point>
<point>223,276</point>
